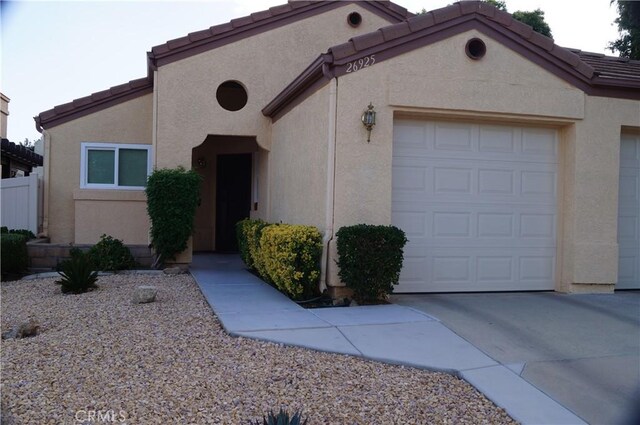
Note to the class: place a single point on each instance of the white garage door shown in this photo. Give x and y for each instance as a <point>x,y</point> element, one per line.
<point>629,214</point>
<point>478,205</point>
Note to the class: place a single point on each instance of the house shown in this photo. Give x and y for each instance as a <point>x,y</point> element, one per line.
<point>510,162</point>
<point>17,161</point>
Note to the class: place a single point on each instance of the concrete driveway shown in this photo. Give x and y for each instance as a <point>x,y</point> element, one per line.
<point>582,350</point>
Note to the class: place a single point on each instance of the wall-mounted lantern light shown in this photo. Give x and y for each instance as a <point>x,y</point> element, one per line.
<point>369,119</point>
<point>202,163</point>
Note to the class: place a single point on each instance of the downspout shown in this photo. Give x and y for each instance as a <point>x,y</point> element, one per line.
<point>46,139</point>
<point>331,177</point>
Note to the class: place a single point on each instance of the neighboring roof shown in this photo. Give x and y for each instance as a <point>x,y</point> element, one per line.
<point>611,67</point>
<point>203,41</point>
<point>259,22</point>
<point>595,75</point>
<point>93,103</point>
<point>20,153</point>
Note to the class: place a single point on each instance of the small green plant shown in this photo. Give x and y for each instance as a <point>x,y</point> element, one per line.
<point>291,258</point>
<point>370,259</point>
<point>282,418</point>
<point>110,254</point>
<point>77,274</point>
<point>172,198</point>
<point>13,253</point>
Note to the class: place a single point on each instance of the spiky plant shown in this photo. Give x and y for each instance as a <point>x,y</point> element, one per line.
<point>282,418</point>
<point>77,274</point>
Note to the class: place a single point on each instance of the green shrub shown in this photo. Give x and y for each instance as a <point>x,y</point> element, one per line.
<point>282,418</point>
<point>291,255</point>
<point>13,253</point>
<point>4,229</point>
<point>243,244</point>
<point>25,232</point>
<point>111,254</point>
<point>370,259</point>
<point>254,234</point>
<point>172,199</point>
<point>77,274</point>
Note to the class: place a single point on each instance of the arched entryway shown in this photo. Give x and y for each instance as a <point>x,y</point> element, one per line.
<point>227,165</point>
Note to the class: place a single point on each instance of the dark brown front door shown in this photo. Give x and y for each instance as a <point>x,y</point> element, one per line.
<point>233,198</point>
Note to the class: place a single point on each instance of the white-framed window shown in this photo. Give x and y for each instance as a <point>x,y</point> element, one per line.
<point>114,166</point>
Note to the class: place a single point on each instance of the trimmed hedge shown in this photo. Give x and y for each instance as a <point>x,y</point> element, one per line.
<point>14,257</point>
<point>286,256</point>
<point>172,198</point>
<point>370,259</point>
<point>291,257</point>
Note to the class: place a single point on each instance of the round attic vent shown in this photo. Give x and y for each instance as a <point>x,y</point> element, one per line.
<point>354,19</point>
<point>475,48</point>
<point>231,95</point>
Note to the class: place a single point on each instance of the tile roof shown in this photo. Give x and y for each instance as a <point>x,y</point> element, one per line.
<point>236,29</point>
<point>20,153</point>
<point>610,66</point>
<point>595,74</point>
<point>93,103</point>
<point>200,41</point>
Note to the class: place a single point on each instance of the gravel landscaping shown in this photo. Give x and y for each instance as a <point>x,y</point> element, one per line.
<point>170,362</point>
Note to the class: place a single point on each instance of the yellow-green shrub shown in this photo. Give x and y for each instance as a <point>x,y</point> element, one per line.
<point>253,233</point>
<point>290,256</point>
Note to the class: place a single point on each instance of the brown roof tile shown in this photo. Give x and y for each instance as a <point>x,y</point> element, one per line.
<point>365,41</point>
<point>520,28</point>
<point>542,41</point>
<point>93,103</point>
<point>420,22</point>
<point>446,13</point>
<point>260,21</point>
<point>343,50</point>
<point>595,74</point>
<point>395,31</point>
<point>215,36</point>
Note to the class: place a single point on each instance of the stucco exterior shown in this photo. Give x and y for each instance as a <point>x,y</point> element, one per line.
<point>80,216</point>
<point>311,162</point>
<point>503,87</point>
<point>299,152</point>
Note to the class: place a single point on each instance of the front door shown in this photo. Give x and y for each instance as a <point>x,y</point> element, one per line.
<point>233,198</point>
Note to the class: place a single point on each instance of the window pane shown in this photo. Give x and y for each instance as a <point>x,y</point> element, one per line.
<point>132,167</point>
<point>100,166</point>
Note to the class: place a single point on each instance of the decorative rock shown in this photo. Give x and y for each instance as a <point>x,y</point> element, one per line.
<point>24,330</point>
<point>173,270</point>
<point>145,294</point>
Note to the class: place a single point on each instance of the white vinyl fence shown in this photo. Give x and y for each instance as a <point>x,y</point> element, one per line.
<point>21,202</point>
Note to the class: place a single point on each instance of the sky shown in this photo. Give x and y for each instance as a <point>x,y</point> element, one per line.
<point>52,52</point>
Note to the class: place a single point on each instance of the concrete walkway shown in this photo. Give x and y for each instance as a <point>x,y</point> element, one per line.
<point>248,307</point>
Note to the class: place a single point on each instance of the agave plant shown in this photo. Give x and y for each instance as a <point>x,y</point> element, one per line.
<point>77,274</point>
<point>282,418</point>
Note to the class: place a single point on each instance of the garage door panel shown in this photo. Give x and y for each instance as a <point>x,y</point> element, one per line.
<point>478,205</point>
<point>448,271</point>
<point>629,214</point>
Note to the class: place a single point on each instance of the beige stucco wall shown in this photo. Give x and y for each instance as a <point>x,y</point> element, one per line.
<point>298,177</point>
<point>440,81</point>
<point>590,202</point>
<point>187,108</point>
<point>121,214</point>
